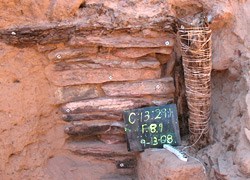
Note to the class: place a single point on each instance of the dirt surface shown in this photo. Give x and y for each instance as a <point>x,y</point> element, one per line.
<point>32,138</point>
<point>30,130</point>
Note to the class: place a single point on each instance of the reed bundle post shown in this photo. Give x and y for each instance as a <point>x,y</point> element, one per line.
<point>196,57</point>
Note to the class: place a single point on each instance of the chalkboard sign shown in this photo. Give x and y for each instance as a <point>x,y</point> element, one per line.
<point>151,127</point>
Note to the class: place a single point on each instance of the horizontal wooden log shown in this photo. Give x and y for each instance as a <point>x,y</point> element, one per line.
<point>38,34</point>
<point>106,104</point>
<point>75,93</point>
<point>68,53</point>
<point>88,75</point>
<point>122,41</point>
<point>101,61</point>
<point>87,22</point>
<point>99,149</point>
<point>110,105</point>
<point>61,32</point>
<point>162,86</point>
<point>92,116</point>
<point>82,114</point>
<point>90,128</point>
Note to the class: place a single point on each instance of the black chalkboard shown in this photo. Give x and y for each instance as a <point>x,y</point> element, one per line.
<point>151,127</point>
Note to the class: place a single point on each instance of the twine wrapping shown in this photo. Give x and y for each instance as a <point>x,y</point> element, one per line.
<point>196,53</point>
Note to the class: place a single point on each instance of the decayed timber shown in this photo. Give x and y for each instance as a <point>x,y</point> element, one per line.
<point>93,75</point>
<point>90,128</point>
<point>164,86</point>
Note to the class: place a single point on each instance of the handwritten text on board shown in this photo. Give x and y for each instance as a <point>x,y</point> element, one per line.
<point>151,127</point>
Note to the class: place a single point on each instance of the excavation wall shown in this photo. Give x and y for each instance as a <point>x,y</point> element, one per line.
<point>69,69</point>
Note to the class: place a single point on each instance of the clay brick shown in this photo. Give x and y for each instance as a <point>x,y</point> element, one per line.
<point>104,105</point>
<point>62,54</point>
<point>75,93</point>
<point>121,41</point>
<point>162,86</point>
<point>91,75</point>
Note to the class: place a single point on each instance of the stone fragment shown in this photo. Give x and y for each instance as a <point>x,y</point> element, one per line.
<point>139,52</point>
<point>67,53</point>
<point>162,101</point>
<point>45,48</point>
<point>107,104</point>
<point>111,138</point>
<point>170,67</point>
<point>225,163</point>
<point>163,58</point>
<point>90,75</point>
<point>92,116</point>
<point>90,128</point>
<point>243,160</point>
<point>247,133</point>
<point>150,33</point>
<point>129,162</point>
<point>218,175</point>
<point>121,41</point>
<point>165,165</point>
<point>162,86</point>
<point>75,93</point>
<point>148,63</point>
